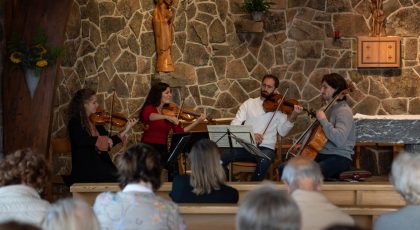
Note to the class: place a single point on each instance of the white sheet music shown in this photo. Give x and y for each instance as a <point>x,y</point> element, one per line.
<point>218,134</point>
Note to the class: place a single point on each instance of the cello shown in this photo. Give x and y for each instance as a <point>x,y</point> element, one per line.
<point>313,139</point>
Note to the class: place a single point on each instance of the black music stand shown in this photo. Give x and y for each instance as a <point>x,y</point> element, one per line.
<point>250,147</point>
<point>182,143</point>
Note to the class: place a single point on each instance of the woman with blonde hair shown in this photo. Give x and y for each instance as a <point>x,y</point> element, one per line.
<point>70,214</point>
<point>207,181</point>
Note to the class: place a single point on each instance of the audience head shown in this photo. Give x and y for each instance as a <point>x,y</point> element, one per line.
<point>70,214</point>
<point>24,167</point>
<point>207,173</point>
<point>343,227</point>
<point>140,163</point>
<point>14,225</point>
<point>302,173</point>
<point>405,175</point>
<point>267,208</point>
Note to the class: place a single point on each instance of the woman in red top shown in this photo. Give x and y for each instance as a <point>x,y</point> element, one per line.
<point>158,125</point>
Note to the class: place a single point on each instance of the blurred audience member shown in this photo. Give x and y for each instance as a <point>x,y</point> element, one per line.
<point>405,176</point>
<point>343,227</point>
<point>14,225</point>
<point>136,206</point>
<point>23,175</point>
<point>207,181</point>
<point>267,208</point>
<point>303,179</point>
<point>70,214</point>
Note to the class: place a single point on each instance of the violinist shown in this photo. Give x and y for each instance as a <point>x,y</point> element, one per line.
<point>158,125</point>
<point>252,113</point>
<point>338,126</point>
<point>90,142</point>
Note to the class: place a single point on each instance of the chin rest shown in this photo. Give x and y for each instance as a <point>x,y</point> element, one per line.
<point>355,174</point>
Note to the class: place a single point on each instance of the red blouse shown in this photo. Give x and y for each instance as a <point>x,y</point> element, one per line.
<point>157,131</point>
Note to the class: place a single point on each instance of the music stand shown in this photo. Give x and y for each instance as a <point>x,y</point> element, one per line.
<point>179,147</point>
<point>250,147</point>
<point>182,143</point>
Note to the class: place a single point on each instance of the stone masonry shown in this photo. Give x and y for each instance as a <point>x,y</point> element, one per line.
<point>220,58</point>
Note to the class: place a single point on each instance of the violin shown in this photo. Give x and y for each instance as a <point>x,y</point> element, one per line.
<point>287,106</point>
<point>101,117</point>
<point>171,109</point>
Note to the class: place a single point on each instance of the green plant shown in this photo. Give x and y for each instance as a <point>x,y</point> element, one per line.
<point>250,6</point>
<point>34,55</point>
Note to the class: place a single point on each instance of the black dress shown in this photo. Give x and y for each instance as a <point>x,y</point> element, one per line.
<point>182,193</point>
<point>89,165</point>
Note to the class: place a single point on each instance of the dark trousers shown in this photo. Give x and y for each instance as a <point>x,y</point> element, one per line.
<point>240,154</point>
<point>331,165</point>
<point>171,166</point>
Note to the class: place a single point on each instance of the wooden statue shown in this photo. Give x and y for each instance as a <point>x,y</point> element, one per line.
<point>377,26</point>
<point>162,25</point>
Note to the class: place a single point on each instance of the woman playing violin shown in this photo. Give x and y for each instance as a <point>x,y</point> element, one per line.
<point>90,142</point>
<point>159,125</point>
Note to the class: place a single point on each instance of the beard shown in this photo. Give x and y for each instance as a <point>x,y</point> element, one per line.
<point>266,94</point>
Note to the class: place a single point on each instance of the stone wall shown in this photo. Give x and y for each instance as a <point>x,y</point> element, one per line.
<point>110,44</point>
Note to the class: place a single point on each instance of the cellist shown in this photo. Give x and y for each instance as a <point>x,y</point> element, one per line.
<point>338,126</point>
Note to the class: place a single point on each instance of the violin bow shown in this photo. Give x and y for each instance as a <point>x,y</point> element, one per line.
<point>180,109</point>
<point>110,114</point>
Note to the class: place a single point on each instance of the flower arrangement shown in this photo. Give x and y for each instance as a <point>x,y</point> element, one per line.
<point>35,55</point>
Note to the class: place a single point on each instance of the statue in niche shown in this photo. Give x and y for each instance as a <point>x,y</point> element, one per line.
<point>377,25</point>
<point>162,25</point>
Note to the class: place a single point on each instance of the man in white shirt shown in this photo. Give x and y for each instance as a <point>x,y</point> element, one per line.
<point>252,113</point>
<point>303,179</point>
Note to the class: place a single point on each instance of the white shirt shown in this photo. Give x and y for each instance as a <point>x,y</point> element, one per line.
<point>252,112</point>
<point>137,188</point>
<point>22,203</point>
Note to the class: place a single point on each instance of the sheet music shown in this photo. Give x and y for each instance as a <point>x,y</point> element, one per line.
<point>218,134</point>
<point>250,147</point>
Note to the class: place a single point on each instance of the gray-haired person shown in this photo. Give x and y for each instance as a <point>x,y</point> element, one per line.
<point>405,176</point>
<point>303,179</point>
<point>267,208</point>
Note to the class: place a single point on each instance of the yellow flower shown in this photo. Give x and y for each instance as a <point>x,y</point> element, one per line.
<point>41,63</point>
<point>42,50</point>
<point>16,57</point>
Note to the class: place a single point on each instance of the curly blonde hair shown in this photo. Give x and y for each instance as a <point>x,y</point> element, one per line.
<point>24,167</point>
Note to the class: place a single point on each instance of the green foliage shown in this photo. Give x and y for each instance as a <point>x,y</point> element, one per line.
<point>250,6</point>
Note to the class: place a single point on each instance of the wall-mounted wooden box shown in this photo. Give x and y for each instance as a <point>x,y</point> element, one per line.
<point>378,52</point>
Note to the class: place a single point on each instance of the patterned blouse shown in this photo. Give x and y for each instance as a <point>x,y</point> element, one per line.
<point>131,209</point>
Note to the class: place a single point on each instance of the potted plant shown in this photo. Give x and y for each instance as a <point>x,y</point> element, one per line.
<point>256,8</point>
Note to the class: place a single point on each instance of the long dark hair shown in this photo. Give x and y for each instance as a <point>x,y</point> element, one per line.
<point>336,81</point>
<point>155,95</point>
<point>76,107</point>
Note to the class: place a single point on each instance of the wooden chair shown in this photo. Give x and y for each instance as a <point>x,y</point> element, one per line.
<point>60,151</point>
<point>241,169</point>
